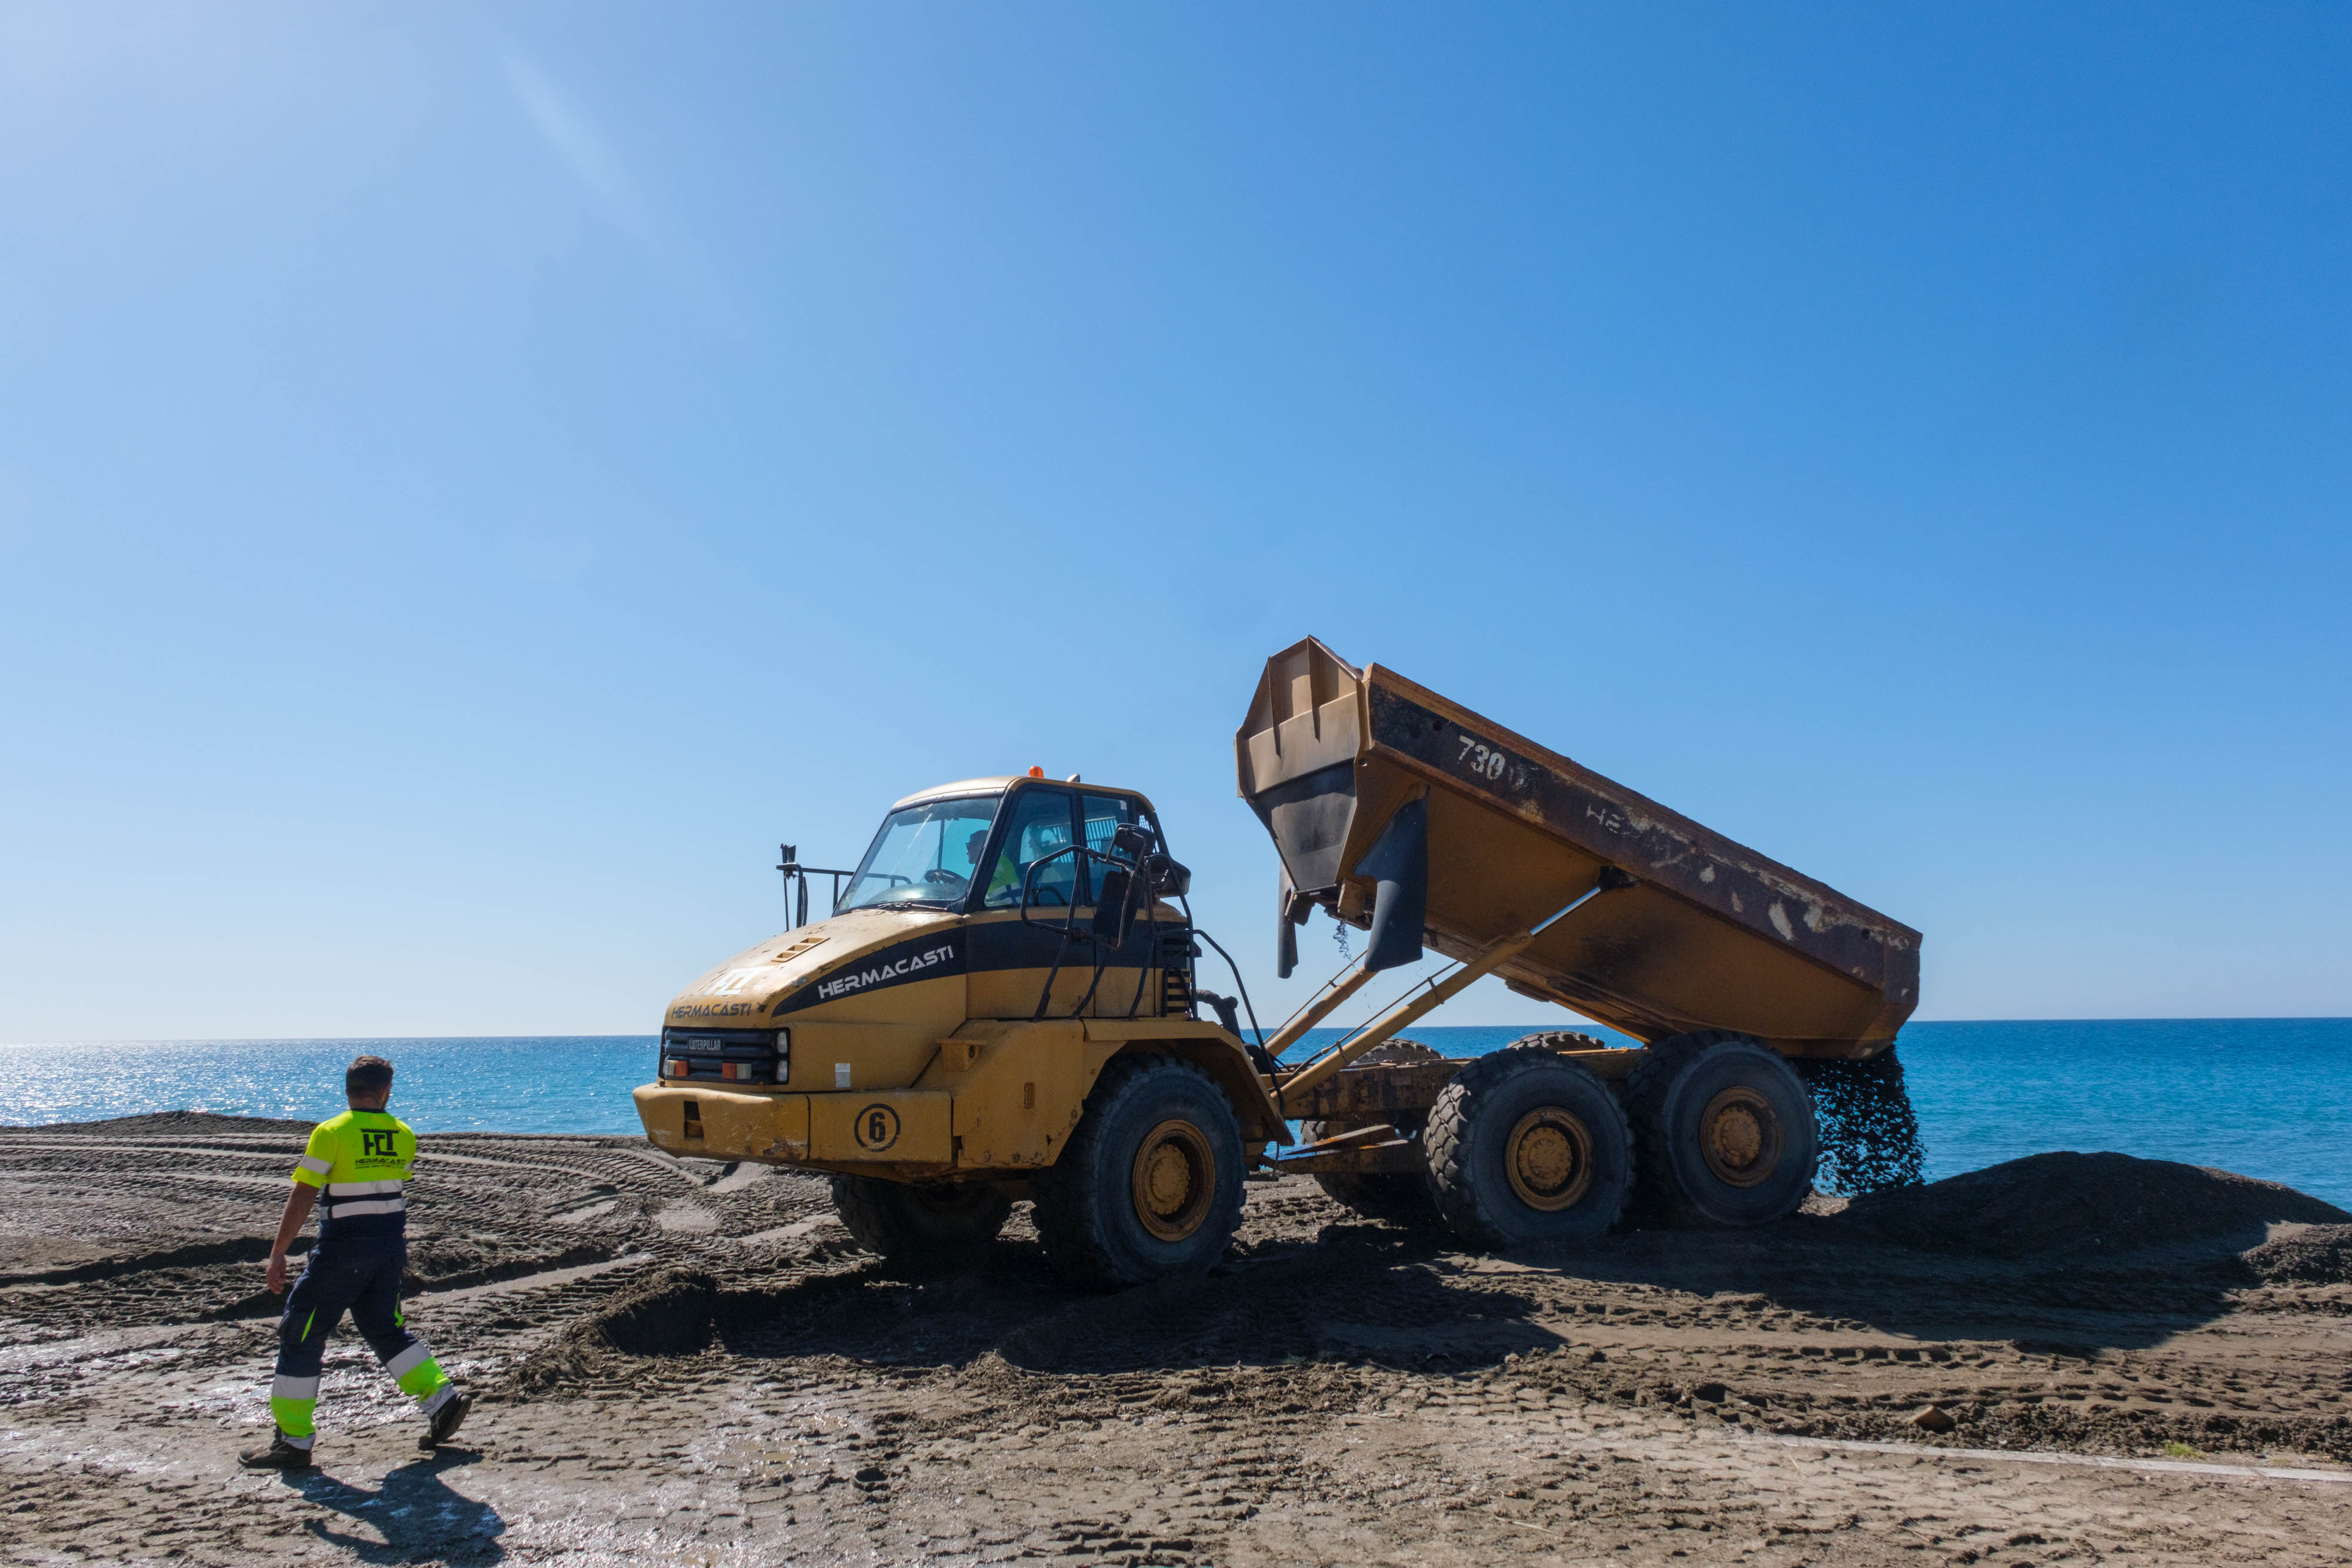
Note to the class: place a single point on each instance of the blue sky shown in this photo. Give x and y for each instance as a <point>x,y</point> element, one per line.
<point>473,480</point>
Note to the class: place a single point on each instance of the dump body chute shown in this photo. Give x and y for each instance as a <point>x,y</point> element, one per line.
<point>1708,935</point>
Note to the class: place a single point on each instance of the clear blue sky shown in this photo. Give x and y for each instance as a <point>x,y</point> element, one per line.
<point>472,481</point>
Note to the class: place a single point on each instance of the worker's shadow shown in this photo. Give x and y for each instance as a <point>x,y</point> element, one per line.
<point>413,1510</point>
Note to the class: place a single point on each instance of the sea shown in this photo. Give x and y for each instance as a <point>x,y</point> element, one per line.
<point>2265,1097</point>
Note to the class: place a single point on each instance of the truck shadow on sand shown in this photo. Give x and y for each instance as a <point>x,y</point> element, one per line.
<point>413,1509</point>
<point>2076,1252</point>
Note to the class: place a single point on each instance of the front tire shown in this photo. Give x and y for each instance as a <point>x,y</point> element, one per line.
<point>1524,1147</point>
<point>1727,1130</point>
<point>1150,1181</point>
<point>939,1224</point>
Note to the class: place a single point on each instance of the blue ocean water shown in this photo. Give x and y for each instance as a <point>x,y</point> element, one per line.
<point>2269,1097</point>
<point>551,1083</point>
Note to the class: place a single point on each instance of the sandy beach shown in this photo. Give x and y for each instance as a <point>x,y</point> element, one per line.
<point>691,1363</point>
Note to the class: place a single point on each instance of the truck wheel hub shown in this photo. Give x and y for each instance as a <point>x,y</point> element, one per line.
<point>1740,1136</point>
<point>1548,1158</point>
<point>1174,1181</point>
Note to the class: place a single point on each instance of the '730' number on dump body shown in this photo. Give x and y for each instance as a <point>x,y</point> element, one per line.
<point>1482,760</point>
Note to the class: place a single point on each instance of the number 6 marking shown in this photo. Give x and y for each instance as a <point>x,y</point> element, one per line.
<point>877,1128</point>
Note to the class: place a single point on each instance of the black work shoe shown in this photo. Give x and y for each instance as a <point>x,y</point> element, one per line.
<point>447,1420</point>
<point>280,1455</point>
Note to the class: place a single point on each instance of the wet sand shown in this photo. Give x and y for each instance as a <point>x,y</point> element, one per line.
<point>686,1361</point>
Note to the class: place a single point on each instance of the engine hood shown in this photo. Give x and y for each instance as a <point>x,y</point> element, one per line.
<point>784,971</point>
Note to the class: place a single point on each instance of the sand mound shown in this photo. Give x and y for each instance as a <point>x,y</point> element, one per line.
<point>181,1124</point>
<point>2319,1255</point>
<point>669,1314</point>
<point>672,1313</point>
<point>2084,1205</point>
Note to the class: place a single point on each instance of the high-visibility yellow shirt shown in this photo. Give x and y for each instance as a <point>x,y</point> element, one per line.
<point>359,1161</point>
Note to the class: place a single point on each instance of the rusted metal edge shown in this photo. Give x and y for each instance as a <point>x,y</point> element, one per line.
<point>1420,731</point>
<point>1367,1093</point>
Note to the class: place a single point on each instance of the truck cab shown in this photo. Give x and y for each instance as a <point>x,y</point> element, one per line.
<point>933,1044</point>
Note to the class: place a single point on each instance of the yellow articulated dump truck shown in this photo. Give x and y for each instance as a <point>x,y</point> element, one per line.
<point>1002,1005</point>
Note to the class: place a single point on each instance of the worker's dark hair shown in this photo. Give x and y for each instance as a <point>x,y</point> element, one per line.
<point>367,1075</point>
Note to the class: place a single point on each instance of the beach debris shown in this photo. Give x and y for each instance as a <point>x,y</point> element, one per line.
<point>1933,1418</point>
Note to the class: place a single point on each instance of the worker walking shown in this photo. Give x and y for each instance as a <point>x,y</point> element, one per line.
<point>354,1170</point>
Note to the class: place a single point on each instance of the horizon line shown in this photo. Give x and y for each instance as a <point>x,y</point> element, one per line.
<point>1537,1029</point>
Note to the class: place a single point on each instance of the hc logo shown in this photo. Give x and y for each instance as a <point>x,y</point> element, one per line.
<point>376,1146</point>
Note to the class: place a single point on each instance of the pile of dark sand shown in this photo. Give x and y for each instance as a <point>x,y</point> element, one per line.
<point>672,1313</point>
<point>2086,1205</point>
<point>179,1124</point>
<point>2319,1255</point>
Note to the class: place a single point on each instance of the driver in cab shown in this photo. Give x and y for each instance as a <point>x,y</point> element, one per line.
<point>1028,842</point>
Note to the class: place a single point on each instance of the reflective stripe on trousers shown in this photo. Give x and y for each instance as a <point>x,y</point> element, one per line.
<point>362,1277</point>
<point>291,1402</point>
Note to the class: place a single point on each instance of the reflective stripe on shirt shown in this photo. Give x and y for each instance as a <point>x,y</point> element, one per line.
<point>361,1160</point>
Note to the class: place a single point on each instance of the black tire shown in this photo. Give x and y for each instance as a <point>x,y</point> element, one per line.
<point>941,1223</point>
<point>1380,1194</point>
<point>1561,1040</point>
<point>1526,1147</point>
<point>1150,1181</point>
<point>1726,1131</point>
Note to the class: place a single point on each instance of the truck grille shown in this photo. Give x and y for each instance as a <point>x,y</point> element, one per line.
<point>726,1055</point>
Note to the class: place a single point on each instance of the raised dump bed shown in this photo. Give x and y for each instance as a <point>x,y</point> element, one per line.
<point>1690,932</point>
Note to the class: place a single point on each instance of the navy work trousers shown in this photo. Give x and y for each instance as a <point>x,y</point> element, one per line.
<point>361,1277</point>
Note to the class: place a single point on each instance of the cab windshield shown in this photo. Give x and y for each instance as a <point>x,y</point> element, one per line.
<point>924,855</point>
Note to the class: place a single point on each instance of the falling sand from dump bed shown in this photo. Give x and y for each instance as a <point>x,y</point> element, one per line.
<point>2097,1205</point>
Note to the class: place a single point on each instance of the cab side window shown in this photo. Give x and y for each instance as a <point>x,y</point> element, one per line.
<point>1104,815</point>
<point>1043,821</point>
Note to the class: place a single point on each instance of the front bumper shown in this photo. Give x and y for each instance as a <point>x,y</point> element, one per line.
<point>867,1127</point>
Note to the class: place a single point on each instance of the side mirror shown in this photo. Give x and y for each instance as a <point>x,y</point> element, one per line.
<point>1114,903</point>
<point>1224,1007</point>
<point>1165,877</point>
<point>1399,867</point>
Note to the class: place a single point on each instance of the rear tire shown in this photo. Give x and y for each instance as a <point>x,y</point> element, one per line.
<point>1150,1181</point>
<point>944,1224</point>
<point>1524,1146</point>
<point>1562,1039</point>
<point>1380,1194</point>
<point>1726,1131</point>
